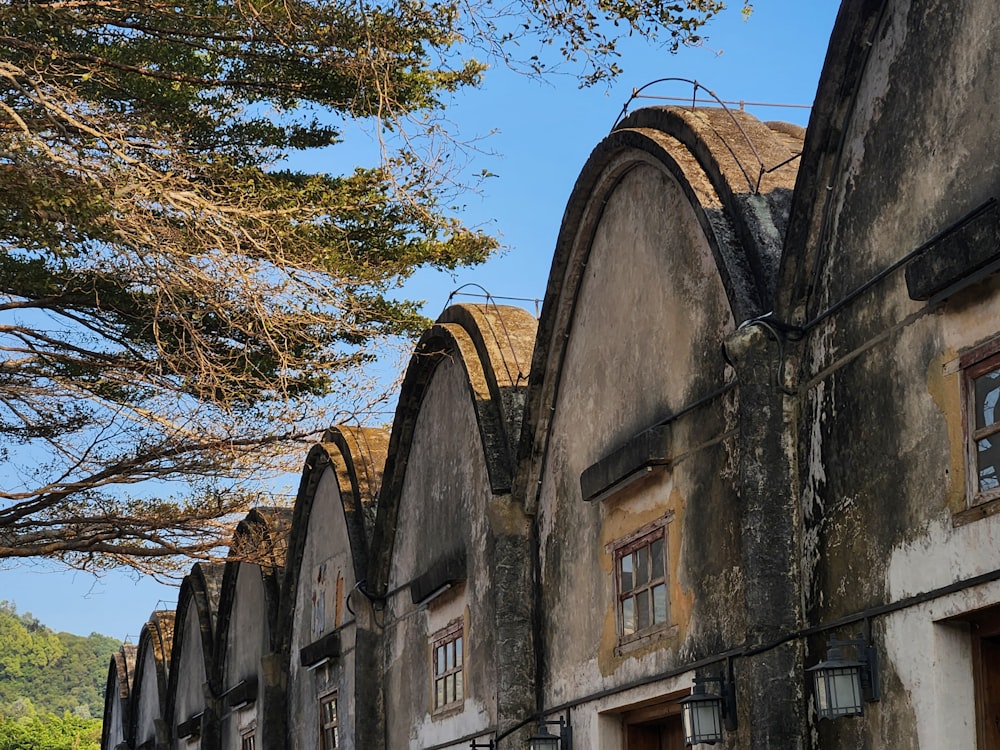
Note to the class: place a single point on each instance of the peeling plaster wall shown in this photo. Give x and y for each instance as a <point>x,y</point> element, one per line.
<point>880,431</point>
<point>442,509</point>
<point>327,569</point>
<point>147,699</point>
<point>191,677</point>
<point>247,642</point>
<point>644,343</point>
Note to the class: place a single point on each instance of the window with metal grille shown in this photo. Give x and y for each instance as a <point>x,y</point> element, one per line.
<point>248,741</point>
<point>328,722</point>
<point>641,583</point>
<point>447,653</point>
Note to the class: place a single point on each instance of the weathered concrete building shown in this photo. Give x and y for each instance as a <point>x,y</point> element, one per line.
<point>190,712</point>
<point>250,677</point>
<point>145,728</point>
<point>753,434</point>
<point>325,622</point>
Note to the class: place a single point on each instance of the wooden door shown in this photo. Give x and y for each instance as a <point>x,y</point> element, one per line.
<point>665,733</point>
<point>986,655</point>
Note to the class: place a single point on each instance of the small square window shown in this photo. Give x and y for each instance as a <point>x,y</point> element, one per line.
<point>981,394</point>
<point>641,583</point>
<point>328,722</point>
<point>448,662</point>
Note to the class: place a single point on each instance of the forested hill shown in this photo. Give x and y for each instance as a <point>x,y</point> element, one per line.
<point>51,682</point>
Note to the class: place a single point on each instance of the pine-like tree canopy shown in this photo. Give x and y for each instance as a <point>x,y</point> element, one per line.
<point>174,308</point>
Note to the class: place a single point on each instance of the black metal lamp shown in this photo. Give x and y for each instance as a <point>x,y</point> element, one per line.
<point>843,686</point>
<point>543,739</point>
<point>706,714</point>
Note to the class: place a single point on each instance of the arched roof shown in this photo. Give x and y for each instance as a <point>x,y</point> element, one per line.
<point>156,639</point>
<point>117,688</point>
<point>357,457</point>
<point>492,344</point>
<point>846,59</point>
<point>736,172</point>
<point>200,592</point>
<point>260,541</point>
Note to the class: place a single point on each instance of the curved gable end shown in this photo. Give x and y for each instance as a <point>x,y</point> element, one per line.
<point>490,346</point>
<point>709,189</point>
<point>327,562</point>
<point>631,454</point>
<point>247,679</point>
<point>451,561</point>
<point>117,692</point>
<point>148,702</point>
<point>890,289</point>
<point>191,717</point>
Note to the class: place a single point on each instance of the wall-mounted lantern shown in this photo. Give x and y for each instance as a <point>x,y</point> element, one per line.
<point>843,686</point>
<point>706,714</point>
<point>543,739</point>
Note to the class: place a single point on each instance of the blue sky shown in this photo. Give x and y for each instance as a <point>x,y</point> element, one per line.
<point>544,132</point>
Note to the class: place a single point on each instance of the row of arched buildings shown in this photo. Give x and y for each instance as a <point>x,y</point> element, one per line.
<point>752,431</point>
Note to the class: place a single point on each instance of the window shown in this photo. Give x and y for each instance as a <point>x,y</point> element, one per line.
<point>981,390</point>
<point>641,583</point>
<point>248,741</point>
<point>448,667</point>
<point>328,722</point>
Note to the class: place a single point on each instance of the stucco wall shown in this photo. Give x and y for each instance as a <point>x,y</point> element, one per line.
<point>881,440</point>
<point>318,611</point>
<point>644,343</point>
<point>442,510</point>
<point>191,678</point>
<point>247,640</point>
<point>148,700</point>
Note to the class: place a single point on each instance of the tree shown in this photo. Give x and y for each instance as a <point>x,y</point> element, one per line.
<point>51,732</point>
<point>175,309</point>
<point>42,672</point>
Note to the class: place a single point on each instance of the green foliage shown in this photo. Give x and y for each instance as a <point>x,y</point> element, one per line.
<point>50,732</point>
<point>45,674</point>
<point>176,310</point>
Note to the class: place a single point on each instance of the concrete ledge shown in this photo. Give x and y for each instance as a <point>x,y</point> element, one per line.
<point>242,694</point>
<point>442,573</point>
<point>640,455</point>
<point>323,650</point>
<point>191,727</point>
<point>958,258</point>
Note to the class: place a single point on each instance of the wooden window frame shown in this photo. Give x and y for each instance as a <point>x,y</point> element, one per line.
<point>628,547</point>
<point>248,739</point>
<point>326,724</point>
<point>974,364</point>
<point>450,679</point>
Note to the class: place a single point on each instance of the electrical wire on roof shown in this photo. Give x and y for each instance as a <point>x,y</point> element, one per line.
<point>713,98</point>
<point>492,300</point>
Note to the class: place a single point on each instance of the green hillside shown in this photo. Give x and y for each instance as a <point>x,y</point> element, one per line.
<point>51,684</point>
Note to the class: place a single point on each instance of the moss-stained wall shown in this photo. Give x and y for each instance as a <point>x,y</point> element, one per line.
<point>906,138</point>
<point>326,579</point>
<point>442,513</point>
